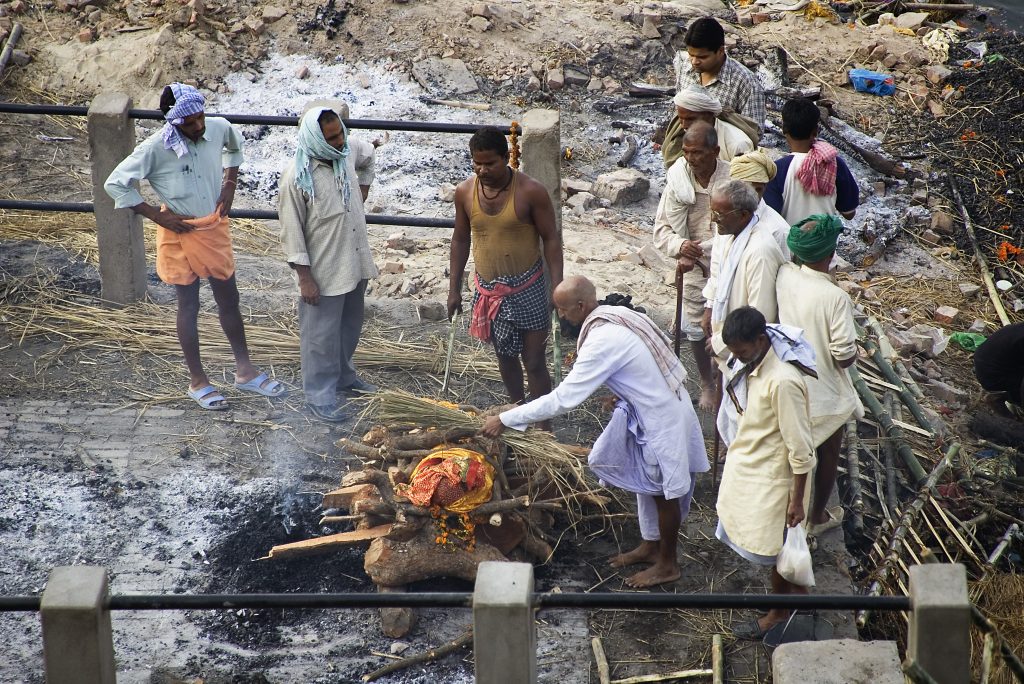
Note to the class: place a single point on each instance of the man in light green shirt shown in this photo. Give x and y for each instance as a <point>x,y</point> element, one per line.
<point>183,163</point>
<point>323,234</point>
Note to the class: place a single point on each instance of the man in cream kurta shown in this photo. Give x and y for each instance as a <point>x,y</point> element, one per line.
<point>763,486</point>
<point>323,234</point>
<point>653,445</point>
<point>758,169</point>
<point>744,263</point>
<point>809,299</point>
<point>683,229</point>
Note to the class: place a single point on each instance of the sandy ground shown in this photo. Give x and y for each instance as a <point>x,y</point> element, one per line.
<point>174,500</point>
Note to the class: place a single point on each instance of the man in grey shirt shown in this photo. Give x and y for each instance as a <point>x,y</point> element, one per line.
<point>323,233</point>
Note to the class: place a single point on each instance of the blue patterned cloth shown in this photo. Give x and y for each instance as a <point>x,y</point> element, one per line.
<point>187,101</point>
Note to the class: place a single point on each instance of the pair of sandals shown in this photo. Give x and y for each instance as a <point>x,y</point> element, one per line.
<point>210,398</point>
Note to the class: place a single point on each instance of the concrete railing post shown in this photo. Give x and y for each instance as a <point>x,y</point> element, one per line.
<point>940,640</point>
<point>542,154</point>
<point>78,646</point>
<point>504,631</point>
<point>118,231</point>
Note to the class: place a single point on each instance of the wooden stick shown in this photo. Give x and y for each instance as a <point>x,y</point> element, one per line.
<point>938,7</point>
<point>681,674</point>
<point>603,675</point>
<point>986,658</point>
<point>460,104</point>
<point>556,348</point>
<point>425,657</point>
<point>717,660</point>
<point>890,374</point>
<point>986,275</point>
<point>309,547</point>
<point>892,431</point>
<point>1004,543</point>
<point>9,47</point>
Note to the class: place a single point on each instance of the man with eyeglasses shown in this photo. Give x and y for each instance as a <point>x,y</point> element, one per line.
<point>683,230</point>
<point>744,265</point>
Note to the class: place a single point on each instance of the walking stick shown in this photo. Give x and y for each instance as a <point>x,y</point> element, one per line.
<point>556,347</point>
<point>679,311</point>
<point>714,459</point>
<point>448,354</point>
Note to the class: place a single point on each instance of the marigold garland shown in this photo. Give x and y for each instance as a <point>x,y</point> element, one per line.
<point>451,527</point>
<point>513,138</point>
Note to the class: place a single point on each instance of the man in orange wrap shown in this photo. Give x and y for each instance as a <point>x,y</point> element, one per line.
<point>183,163</point>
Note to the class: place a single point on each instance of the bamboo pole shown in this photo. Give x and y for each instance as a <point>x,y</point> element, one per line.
<point>681,674</point>
<point>986,275</point>
<point>892,431</point>
<point>419,658</point>
<point>603,674</point>
<point>910,514</point>
<point>1004,543</point>
<point>885,346</point>
<point>853,468</point>
<point>891,376</point>
<point>986,658</point>
<point>717,660</point>
<point>890,463</point>
<point>1009,657</point>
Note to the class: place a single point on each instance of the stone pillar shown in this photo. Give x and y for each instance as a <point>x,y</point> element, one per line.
<point>78,646</point>
<point>504,631</point>
<point>939,639</point>
<point>118,231</point>
<point>542,154</point>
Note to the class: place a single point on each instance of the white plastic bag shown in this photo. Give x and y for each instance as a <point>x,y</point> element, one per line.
<point>794,561</point>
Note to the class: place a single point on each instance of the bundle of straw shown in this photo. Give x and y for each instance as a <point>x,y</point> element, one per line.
<point>537,448</point>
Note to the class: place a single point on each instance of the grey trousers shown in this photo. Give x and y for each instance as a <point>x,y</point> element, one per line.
<point>328,335</point>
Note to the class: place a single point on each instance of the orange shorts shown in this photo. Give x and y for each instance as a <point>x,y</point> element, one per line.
<point>205,252</point>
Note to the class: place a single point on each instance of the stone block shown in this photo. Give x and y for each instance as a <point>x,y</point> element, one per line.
<point>890,60</point>
<point>969,290</point>
<point>946,314</point>
<point>936,73</point>
<point>877,54</point>
<point>446,192</point>
<point>555,79</point>
<point>930,237</point>
<point>632,258</point>
<point>431,310</point>
<point>942,223</point>
<point>581,201</point>
<point>572,186</point>
<point>302,72</point>
<point>911,20</point>
<point>542,152</point>
<point>78,645</point>
<point>479,24</point>
<point>254,24</point>
<point>272,13</point>
<point>623,186</point>
<point>654,259</point>
<point>448,75</point>
<point>401,241</point>
<point>393,267</point>
<point>504,630</point>
<point>575,75</point>
<point>945,392</point>
<point>837,661</point>
<point>978,326</point>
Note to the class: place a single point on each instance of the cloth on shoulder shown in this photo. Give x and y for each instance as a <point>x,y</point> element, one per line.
<point>817,174</point>
<point>656,341</point>
<point>817,243</point>
<point>312,145</point>
<point>187,102</point>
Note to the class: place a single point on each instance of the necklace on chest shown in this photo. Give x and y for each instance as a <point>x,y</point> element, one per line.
<point>483,188</point>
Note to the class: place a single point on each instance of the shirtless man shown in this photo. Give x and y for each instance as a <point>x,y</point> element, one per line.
<point>506,217</point>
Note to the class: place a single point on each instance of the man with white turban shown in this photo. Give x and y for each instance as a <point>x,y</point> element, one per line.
<point>323,233</point>
<point>183,163</point>
<point>694,105</point>
<point>757,168</point>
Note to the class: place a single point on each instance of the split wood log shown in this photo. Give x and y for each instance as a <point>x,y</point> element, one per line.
<point>873,350</point>
<point>603,674</point>
<point>998,429</point>
<point>381,453</point>
<point>392,563</point>
<point>425,657</point>
<point>629,152</point>
<point>344,496</point>
<point>396,622</point>
<point>907,520</point>
<point>428,439</point>
<point>680,674</point>
<point>879,162</point>
<point>505,537</point>
<point>986,275</point>
<point>382,482</point>
<point>892,431</point>
<point>310,547</point>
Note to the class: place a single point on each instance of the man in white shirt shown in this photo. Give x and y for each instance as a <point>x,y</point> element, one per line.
<point>323,233</point>
<point>809,299</point>
<point>653,445</point>
<point>693,105</point>
<point>683,230</point>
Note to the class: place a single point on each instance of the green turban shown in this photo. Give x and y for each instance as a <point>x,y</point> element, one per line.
<point>814,244</point>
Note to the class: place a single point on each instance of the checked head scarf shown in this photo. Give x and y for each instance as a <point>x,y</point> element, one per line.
<point>311,146</point>
<point>187,101</point>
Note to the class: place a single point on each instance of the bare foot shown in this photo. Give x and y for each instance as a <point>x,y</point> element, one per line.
<point>707,400</point>
<point>647,552</point>
<point>659,573</point>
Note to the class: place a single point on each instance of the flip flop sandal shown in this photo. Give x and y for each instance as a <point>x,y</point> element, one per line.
<point>751,631</point>
<point>835,519</point>
<point>273,388</point>
<point>208,398</point>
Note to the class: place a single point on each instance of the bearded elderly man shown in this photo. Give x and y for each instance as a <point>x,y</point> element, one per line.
<point>757,168</point>
<point>683,230</point>
<point>323,233</point>
<point>183,163</point>
<point>810,300</point>
<point>653,444</point>
<point>693,105</point>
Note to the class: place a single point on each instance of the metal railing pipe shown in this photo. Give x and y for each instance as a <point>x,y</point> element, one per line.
<point>256,601</point>
<point>267,214</point>
<point>719,601</point>
<point>255,119</point>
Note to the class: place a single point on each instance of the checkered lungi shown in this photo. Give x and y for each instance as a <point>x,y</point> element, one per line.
<point>521,311</point>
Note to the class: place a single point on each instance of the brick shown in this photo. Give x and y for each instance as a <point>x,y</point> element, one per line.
<point>946,314</point>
